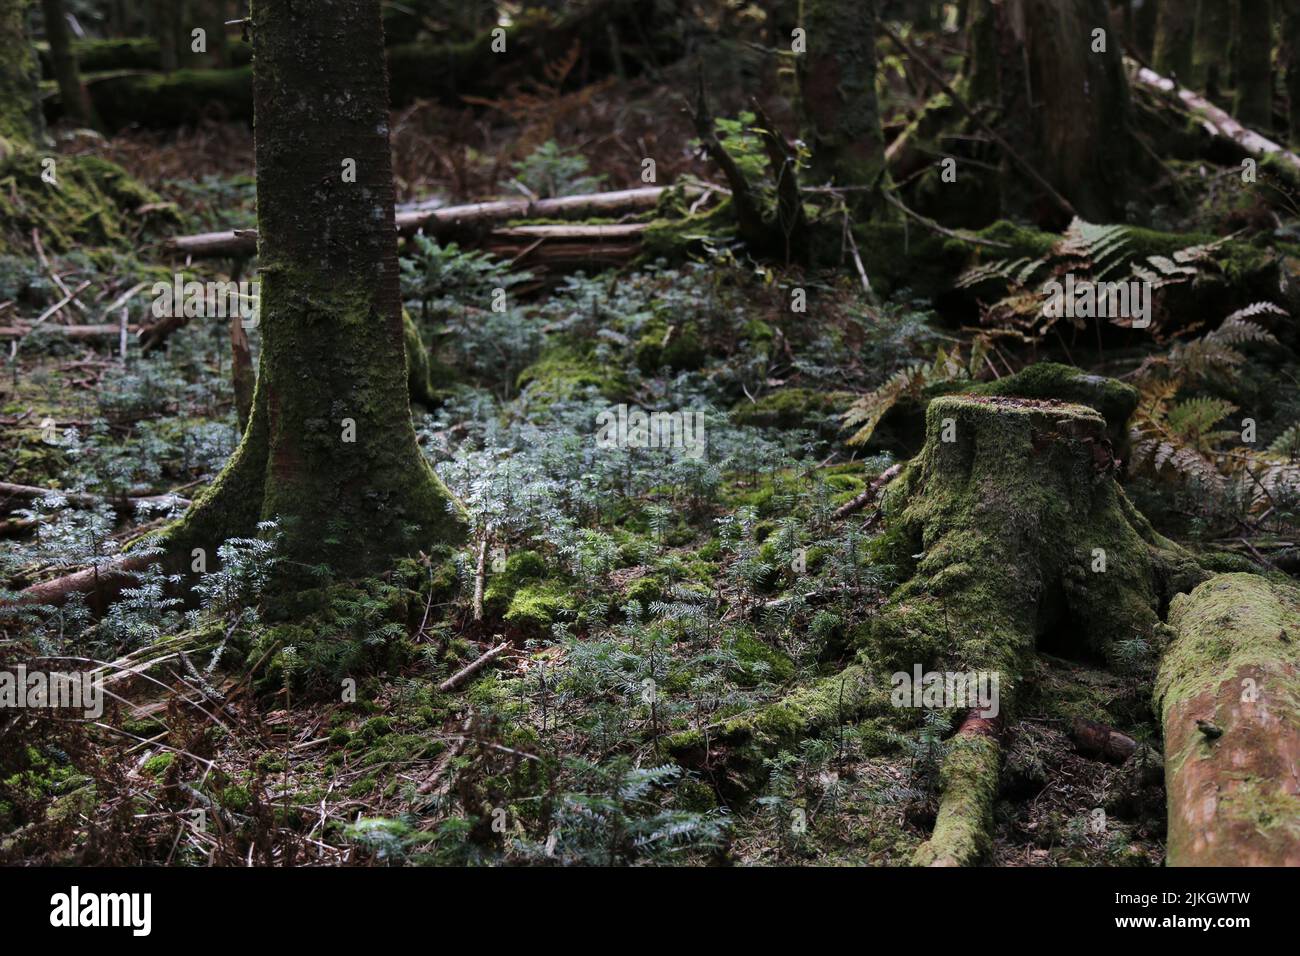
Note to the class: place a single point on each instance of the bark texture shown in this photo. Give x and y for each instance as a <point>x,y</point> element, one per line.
<point>1175,34</point>
<point>76,102</point>
<point>20,115</point>
<point>1253,103</point>
<point>837,84</point>
<point>329,451</point>
<point>1228,693</point>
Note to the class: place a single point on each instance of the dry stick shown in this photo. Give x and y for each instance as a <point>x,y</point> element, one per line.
<point>868,496</point>
<point>993,134</point>
<point>479,574</point>
<point>472,668</point>
<point>942,230</point>
<point>54,276</point>
<point>122,300</point>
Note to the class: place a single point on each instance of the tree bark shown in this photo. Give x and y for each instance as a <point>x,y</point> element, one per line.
<point>20,114</point>
<point>1253,103</point>
<point>1210,47</point>
<point>75,100</point>
<point>1228,694</point>
<point>1175,31</point>
<point>837,85</point>
<point>1065,105</point>
<point>1291,64</point>
<point>329,452</point>
<point>167,27</point>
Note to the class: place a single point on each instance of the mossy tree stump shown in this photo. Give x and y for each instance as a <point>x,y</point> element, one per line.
<point>1021,539</point>
<point>1229,697</point>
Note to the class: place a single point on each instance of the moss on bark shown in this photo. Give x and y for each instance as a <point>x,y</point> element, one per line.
<point>329,453</point>
<point>1228,693</point>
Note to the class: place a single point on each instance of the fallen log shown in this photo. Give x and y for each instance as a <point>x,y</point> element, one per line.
<point>68,331</point>
<point>1101,742</point>
<point>1216,121</point>
<point>451,222</point>
<point>1228,693</point>
<point>102,583</point>
<point>10,492</point>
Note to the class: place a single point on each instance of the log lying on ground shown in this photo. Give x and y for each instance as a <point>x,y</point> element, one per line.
<point>103,583</point>
<point>565,52</point>
<point>1228,693</point>
<point>1218,122</point>
<point>458,222</point>
<point>11,492</point>
<point>1026,540</point>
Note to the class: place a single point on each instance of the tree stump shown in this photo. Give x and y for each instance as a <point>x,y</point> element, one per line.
<point>1018,537</point>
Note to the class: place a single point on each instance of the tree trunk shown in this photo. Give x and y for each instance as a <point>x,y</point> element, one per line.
<point>20,113</point>
<point>1175,31</point>
<point>76,104</point>
<point>837,84</point>
<point>1228,693</point>
<point>1145,14</point>
<point>1069,114</point>
<point>166,26</point>
<point>1210,47</point>
<point>1253,104</point>
<point>329,452</point>
<point>1291,61</point>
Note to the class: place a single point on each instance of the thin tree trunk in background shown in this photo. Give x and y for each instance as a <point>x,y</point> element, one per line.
<point>1210,47</point>
<point>329,452</point>
<point>165,25</point>
<point>76,104</point>
<point>1145,13</point>
<point>1253,103</point>
<point>1065,108</point>
<point>1290,58</point>
<point>20,113</point>
<point>1175,29</point>
<point>837,84</point>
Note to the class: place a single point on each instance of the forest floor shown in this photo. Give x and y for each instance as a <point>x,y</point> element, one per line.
<point>648,595</point>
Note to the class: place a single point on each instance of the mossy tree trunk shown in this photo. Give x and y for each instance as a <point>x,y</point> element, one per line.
<point>1228,694</point>
<point>76,104</point>
<point>167,27</point>
<point>1210,47</point>
<point>1291,63</point>
<point>1027,542</point>
<point>837,85</point>
<point>1253,48</point>
<point>1144,27</point>
<point>20,114</point>
<point>329,451</point>
<point>1175,32</point>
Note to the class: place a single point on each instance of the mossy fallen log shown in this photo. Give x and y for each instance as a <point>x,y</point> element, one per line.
<point>569,51</point>
<point>1026,542</point>
<point>1228,693</point>
<point>128,53</point>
